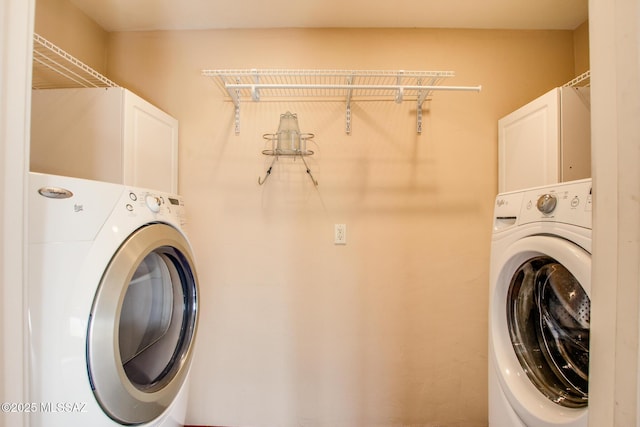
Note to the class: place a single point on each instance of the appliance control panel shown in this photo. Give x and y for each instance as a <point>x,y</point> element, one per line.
<point>159,205</point>
<point>569,203</point>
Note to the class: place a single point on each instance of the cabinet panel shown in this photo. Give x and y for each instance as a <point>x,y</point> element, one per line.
<point>528,144</point>
<point>104,134</point>
<point>575,128</point>
<point>77,132</point>
<point>546,141</point>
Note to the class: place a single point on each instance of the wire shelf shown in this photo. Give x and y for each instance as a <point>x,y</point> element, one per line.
<point>254,85</point>
<point>55,68</point>
<point>583,80</point>
<point>331,85</point>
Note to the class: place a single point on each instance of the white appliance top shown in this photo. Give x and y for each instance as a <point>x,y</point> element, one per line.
<point>566,203</point>
<point>66,209</point>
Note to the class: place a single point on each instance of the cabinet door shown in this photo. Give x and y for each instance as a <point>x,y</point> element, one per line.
<point>529,145</point>
<point>151,146</point>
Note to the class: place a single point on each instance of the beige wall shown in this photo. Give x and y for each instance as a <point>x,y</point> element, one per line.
<point>391,328</point>
<point>66,26</point>
<point>581,48</point>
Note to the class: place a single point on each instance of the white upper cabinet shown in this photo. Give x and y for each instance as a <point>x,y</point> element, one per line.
<point>104,134</point>
<point>546,141</point>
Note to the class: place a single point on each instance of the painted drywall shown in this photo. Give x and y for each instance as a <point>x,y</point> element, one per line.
<point>391,328</point>
<point>63,24</point>
<point>581,48</point>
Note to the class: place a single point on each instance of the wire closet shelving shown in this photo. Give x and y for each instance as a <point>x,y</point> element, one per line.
<point>331,85</point>
<point>583,80</point>
<point>55,68</point>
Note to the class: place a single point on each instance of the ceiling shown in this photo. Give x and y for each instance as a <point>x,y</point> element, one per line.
<point>143,15</point>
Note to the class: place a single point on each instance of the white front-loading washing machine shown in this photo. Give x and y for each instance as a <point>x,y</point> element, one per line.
<point>112,304</point>
<point>539,307</point>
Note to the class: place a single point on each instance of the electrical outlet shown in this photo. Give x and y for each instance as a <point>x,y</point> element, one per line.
<point>340,234</point>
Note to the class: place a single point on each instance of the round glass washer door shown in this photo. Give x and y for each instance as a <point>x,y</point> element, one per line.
<point>548,317</point>
<point>142,325</point>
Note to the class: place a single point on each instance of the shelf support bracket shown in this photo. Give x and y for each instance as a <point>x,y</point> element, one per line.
<point>237,119</point>
<point>422,95</point>
<point>348,113</point>
<point>400,91</point>
<point>234,94</point>
<point>255,92</point>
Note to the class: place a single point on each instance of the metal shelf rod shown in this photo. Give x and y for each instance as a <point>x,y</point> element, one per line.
<point>254,87</point>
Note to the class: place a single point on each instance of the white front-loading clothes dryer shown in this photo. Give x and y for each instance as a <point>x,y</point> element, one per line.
<point>112,304</point>
<point>539,307</point>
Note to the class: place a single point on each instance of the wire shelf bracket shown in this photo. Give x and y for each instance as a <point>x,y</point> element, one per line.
<point>346,85</point>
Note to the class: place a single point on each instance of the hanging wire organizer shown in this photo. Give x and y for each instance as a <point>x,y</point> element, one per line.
<point>276,152</point>
<point>55,68</point>
<point>331,85</point>
<point>288,141</point>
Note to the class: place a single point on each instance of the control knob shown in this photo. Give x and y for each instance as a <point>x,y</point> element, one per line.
<point>547,203</point>
<point>153,203</point>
